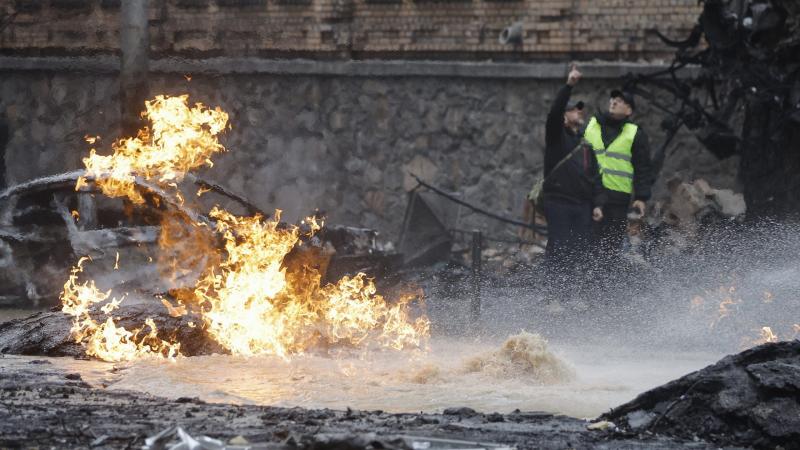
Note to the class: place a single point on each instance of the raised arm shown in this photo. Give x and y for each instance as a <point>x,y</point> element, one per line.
<point>555,119</point>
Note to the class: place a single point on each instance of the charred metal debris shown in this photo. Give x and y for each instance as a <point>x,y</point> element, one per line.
<point>45,225</point>
<point>742,96</point>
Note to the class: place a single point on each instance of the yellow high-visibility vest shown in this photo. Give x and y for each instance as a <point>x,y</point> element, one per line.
<point>615,161</point>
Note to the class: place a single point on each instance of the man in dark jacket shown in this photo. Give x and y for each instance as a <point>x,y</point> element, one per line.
<point>572,190</point>
<point>623,153</point>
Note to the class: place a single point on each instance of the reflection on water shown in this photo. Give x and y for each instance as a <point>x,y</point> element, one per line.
<point>580,382</point>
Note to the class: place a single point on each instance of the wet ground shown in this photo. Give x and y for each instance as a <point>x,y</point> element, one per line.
<point>599,355</point>
<point>44,406</point>
<point>589,381</point>
<point>67,403</point>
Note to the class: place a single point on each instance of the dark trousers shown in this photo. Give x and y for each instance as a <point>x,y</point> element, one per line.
<point>569,237</point>
<point>610,232</point>
<point>611,273</point>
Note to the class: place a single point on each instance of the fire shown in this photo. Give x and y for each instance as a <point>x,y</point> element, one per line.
<point>180,139</point>
<point>767,335</point>
<point>724,309</point>
<point>106,340</point>
<point>248,298</point>
<point>253,305</point>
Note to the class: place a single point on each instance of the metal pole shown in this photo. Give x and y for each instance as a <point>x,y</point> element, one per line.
<point>135,47</point>
<point>477,245</point>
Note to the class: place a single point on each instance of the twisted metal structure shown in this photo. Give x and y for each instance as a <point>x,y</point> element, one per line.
<point>742,96</point>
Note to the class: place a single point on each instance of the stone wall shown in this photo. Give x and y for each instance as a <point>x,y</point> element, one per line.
<point>463,29</point>
<point>336,142</point>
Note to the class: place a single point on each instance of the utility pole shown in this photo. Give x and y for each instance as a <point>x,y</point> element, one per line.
<point>477,251</point>
<point>135,46</point>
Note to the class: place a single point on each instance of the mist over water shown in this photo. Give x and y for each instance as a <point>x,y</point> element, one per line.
<point>669,300</point>
<point>661,320</point>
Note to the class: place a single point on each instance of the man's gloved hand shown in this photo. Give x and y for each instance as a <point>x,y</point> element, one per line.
<point>597,214</point>
<point>574,75</point>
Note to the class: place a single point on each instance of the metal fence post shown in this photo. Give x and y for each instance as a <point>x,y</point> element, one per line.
<point>475,304</point>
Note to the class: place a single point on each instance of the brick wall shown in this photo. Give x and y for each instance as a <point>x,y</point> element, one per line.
<point>457,29</point>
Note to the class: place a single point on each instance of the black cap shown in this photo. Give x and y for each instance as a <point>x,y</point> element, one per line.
<point>625,95</point>
<point>575,105</point>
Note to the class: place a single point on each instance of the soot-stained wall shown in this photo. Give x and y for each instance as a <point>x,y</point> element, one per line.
<point>342,144</point>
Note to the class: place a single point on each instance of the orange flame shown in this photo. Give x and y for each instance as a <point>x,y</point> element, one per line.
<point>181,139</point>
<point>106,340</point>
<point>767,335</point>
<point>251,305</point>
<point>248,298</point>
<point>724,310</point>
<point>697,303</point>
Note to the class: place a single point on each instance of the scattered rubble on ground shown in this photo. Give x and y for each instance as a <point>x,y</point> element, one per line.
<point>693,210</point>
<point>695,204</point>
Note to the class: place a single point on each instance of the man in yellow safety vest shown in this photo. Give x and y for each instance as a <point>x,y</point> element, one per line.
<point>623,156</point>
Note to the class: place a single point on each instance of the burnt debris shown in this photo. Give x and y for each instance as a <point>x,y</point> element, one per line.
<point>742,97</point>
<point>48,333</point>
<point>749,399</point>
<point>46,225</point>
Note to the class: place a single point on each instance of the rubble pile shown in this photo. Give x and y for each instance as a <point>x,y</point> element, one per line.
<point>692,204</point>
<point>693,209</point>
<point>507,259</point>
<point>750,399</point>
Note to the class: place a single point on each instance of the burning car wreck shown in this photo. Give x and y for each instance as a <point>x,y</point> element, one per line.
<point>204,262</point>
<point>46,222</point>
<point>194,319</point>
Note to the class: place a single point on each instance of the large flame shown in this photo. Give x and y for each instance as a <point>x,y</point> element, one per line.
<point>180,139</point>
<point>250,301</point>
<point>251,305</point>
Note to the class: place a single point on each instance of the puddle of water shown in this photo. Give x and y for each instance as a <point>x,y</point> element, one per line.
<point>598,379</point>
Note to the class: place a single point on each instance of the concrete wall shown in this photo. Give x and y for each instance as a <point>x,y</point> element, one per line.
<point>339,137</point>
